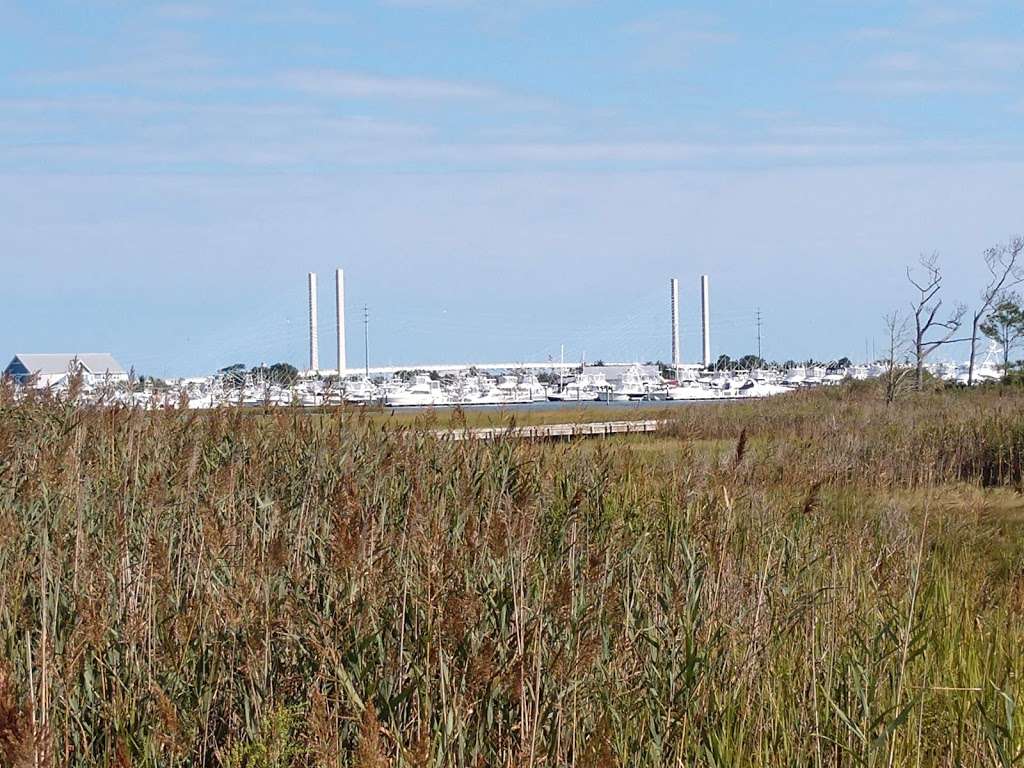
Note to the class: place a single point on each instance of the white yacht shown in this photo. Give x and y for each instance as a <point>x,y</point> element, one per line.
<point>530,390</point>
<point>875,370</point>
<point>754,388</point>
<point>474,390</point>
<point>581,389</point>
<point>360,391</point>
<point>720,381</point>
<point>489,394</point>
<point>736,386</point>
<point>947,371</point>
<point>859,372</point>
<point>250,396</point>
<point>986,370</point>
<point>691,390</point>
<point>307,397</point>
<point>796,377</point>
<point>278,396</point>
<point>423,391</point>
<point>465,390</point>
<point>834,377</point>
<point>633,385</point>
<point>815,376</point>
<point>508,386</point>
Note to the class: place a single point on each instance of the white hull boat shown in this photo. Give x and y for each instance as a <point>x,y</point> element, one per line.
<point>422,392</point>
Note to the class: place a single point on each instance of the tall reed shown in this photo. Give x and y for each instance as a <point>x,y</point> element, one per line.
<point>819,580</point>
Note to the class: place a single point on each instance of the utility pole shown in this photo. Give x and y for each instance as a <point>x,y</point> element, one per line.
<point>759,333</point>
<point>366,339</point>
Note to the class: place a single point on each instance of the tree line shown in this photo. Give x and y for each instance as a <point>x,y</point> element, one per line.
<point>280,374</point>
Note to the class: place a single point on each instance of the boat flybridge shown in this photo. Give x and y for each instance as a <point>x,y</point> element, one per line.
<point>834,377</point>
<point>530,390</point>
<point>633,385</point>
<point>691,390</point>
<point>583,388</point>
<point>797,377</point>
<point>360,390</point>
<point>815,376</point>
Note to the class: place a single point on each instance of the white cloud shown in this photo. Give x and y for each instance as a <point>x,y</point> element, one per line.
<point>900,61</point>
<point>355,85</point>
<point>670,39</point>
<point>964,66</point>
<point>873,33</point>
<point>506,5</point>
<point>989,55</point>
<point>943,14</point>
<point>238,142</point>
<point>431,4</point>
<point>201,74</point>
<point>919,86</point>
<point>825,131</point>
<point>185,11</point>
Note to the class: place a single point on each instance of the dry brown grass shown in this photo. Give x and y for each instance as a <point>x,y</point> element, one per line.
<point>843,585</point>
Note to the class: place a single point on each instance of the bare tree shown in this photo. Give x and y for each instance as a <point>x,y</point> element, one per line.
<point>896,369</point>
<point>930,332</point>
<point>1004,269</point>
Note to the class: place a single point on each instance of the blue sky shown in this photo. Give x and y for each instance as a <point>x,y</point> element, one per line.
<point>496,178</point>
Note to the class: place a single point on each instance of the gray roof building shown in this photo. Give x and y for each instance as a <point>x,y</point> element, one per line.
<point>93,364</point>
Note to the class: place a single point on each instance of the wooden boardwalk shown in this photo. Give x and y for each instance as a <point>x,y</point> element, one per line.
<point>552,431</point>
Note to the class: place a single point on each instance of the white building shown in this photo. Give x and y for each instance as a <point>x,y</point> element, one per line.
<point>52,370</point>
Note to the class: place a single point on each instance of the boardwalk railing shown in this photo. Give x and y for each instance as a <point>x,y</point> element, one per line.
<point>549,431</point>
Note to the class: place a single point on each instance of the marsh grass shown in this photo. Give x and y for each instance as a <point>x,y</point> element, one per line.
<point>817,580</point>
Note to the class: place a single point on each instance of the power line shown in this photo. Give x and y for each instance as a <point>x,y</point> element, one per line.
<point>759,333</point>
<point>366,339</point>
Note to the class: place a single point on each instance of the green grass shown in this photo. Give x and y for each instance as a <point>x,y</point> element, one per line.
<point>843,585</point>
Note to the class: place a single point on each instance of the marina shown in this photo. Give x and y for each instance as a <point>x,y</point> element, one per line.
<point>473,387</point>
<point>97,378</point>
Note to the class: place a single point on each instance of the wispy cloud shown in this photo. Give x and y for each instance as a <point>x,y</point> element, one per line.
<point>336,83</point>
<point>826,131</point>
<point>988,55</point>
<point>919,86</point>
<point>185,11</point>
<point>901,62</point>
<point>180,107</point>
<point>971,66</point>
<point>944,14</point>
<point>672,38</point>
<point>507,5</point>
<point>434,4</point>
<point>196,73</point>
<point>790,125</point>
<point>872,33</point>
<point>939,48</point>
<point>243,140</point>
<point>671,153</point>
